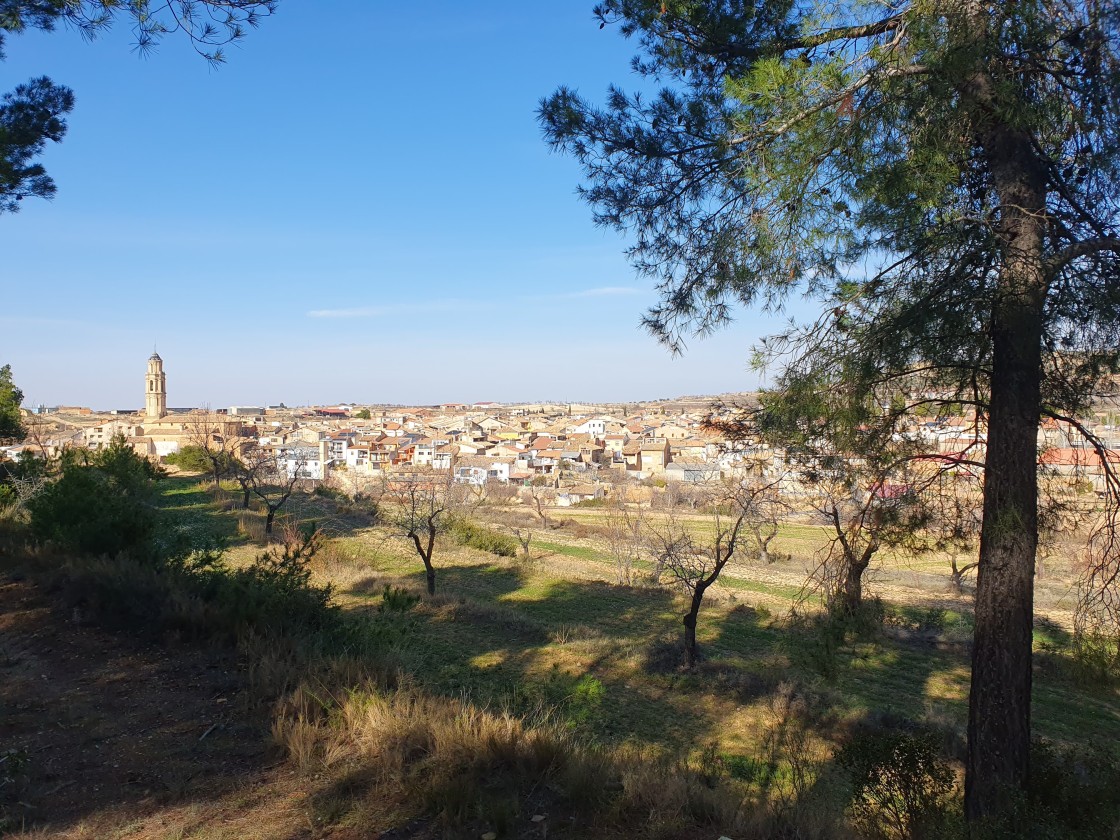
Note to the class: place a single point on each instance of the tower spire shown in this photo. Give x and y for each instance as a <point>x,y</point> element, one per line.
<point>155,388</point>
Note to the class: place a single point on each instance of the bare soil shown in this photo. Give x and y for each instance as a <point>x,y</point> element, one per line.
<point>103,735</point>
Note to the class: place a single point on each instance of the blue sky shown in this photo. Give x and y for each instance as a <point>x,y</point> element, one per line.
<point>358,207</point>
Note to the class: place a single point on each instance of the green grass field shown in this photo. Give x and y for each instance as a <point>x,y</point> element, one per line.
<point>555,631</point>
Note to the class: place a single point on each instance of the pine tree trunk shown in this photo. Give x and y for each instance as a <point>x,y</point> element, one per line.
<point>999,710</point>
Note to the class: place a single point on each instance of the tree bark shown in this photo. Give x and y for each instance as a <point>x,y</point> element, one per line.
<point>690,647</point>
<point>957,574</point>
<point>268,519</point>
<point>999,709</point>
<point>852,595</point>
<point>690,639</point>
<point>431,577</point>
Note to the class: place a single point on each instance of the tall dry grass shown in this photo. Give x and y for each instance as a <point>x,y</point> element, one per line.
<point>473,768</point>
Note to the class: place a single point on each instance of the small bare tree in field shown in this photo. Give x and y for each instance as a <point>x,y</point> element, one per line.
<point>952,501</point>
<point>865,510</point>
<point>537,496</point>
<point>522,526</point>
<point>213,436</point>
<point>419,505</point>
<point>498,492</point>
<point>260,474</point>
<point>696,559</point>
<point>624,525</point>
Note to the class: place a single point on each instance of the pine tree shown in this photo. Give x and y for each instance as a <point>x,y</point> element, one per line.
<point>942,176</point>
<point>11,427</point>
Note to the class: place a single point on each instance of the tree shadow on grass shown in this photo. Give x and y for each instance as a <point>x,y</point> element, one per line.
<point>220,517</point>
<point>501,636</point>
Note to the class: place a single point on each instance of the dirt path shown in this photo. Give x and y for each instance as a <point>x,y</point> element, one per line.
<point>102,735</point>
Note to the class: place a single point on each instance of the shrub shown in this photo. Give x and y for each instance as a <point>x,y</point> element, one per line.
<point>467,533</point>
<point>196,595</point>
<point>591,503</point>
<point>900,784</point>
<point>101,503</point>
<point>1074,791</point>
<point>327,492</point>
<point>1096,657</point>
<point>194,458</point>
<point>275,594</point>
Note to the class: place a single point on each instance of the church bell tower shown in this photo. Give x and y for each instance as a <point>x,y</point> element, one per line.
<point>155,389</point>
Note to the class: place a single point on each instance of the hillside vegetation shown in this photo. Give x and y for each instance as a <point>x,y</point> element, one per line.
<point>534,697</point>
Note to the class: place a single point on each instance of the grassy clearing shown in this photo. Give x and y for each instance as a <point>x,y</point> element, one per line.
<point>520,634</point>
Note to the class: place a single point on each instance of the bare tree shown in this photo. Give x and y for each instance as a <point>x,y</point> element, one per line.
<point>766,510</point>
<point>498,492</point>
<point>866,509</point>
<point>624,525</point>
<point>522,526</point>
<point>269,480</point>
<point>215,439</point>
<point>694,560</point>
<point>537,496</point>
<point>953,505</point>
<point>418,506</point>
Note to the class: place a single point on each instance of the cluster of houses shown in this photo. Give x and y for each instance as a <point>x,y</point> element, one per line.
<point>489,443</point>
<point>487,446</point>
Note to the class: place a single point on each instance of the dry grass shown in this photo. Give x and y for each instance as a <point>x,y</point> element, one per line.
<point>478,769</point>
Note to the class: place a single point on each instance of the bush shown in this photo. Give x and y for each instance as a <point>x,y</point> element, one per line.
<point>194,459</point>
<point>101,503</point>
<point>901,784</point>
<point>275,594</point>
<point>591,503</point>
<point>327,492</point>
<point>1074,792</point>
<point>467,533</point>
<point>1096,657</point>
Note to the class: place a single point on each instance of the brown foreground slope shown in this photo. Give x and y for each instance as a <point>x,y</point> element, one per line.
<point>105,736</point>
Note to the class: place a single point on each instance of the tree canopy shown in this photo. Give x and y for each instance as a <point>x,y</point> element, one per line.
<point>35,112</point>
<point>942,177</point>
<point>11,427</point>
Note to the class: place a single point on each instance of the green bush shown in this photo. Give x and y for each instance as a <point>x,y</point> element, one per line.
<point>102,502</point>
<point>1074,792</point>
<point>198,596</point>
<point>1096,657</point>
<point>195,459</point>
<point>591,503</point>
<point>467,533</point>
<point>901,784</point>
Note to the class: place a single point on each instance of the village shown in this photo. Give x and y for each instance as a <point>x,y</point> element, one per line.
<point>580,450</point>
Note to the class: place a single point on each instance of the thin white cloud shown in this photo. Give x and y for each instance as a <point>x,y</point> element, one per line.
<point>413,308</point>
<point>604,291</point>
<point>355,312</point>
